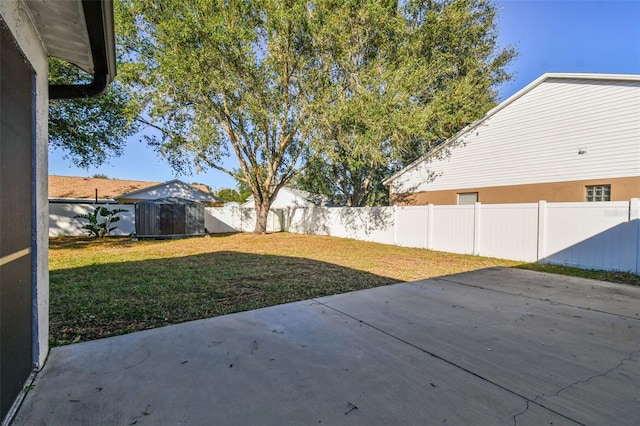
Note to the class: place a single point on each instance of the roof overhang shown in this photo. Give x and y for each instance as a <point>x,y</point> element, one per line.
<point>80,32</point>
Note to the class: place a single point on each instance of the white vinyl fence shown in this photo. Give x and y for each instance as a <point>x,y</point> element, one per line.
<point>62,221</point>
<point>604,235</point>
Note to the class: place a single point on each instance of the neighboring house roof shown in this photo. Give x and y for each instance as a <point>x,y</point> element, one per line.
<point>507,102</point>
<point>79,188</point>
<point>174,188</point>
<point>296,198</point>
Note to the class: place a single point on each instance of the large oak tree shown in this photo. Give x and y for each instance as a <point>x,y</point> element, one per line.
<point>355,85</point>
<point>401,87</point>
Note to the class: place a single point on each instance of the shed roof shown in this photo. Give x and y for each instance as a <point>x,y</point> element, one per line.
<point>509,101</point>
<point>75,187</point>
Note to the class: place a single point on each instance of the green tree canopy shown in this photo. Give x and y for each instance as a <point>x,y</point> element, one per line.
<point>88,131</point>
<point>231,194</point>
<point>359,86</point>
<point>405,78</point>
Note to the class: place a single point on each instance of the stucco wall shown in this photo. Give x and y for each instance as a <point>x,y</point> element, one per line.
<point>621,189</point>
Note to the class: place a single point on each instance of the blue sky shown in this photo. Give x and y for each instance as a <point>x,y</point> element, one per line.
<point>550,36</point>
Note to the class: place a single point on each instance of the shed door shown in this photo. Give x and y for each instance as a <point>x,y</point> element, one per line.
<point>172,219</point>
<point>17,120</point>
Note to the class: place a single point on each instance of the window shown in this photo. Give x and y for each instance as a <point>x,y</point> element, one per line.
<point>467,198</point>
<point>599,193</point>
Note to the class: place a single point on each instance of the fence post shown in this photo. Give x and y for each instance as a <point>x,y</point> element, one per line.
<point>634,219</point>
<point>430,226</point>
<point>476,228</point>
<point>542,229</point>
<point>395,225</point>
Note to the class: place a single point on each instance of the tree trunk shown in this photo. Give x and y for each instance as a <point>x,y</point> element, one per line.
<point>262,213</point>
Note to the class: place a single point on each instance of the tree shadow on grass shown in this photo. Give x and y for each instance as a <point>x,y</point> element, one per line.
<point>81,243</point>
<point>103,300</point>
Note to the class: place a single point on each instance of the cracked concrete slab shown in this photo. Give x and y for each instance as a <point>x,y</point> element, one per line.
<point>588,294</point>
<point>519,337</point>
<point>432,352</point>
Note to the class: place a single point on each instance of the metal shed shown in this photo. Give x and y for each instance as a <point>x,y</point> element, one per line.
<point>170,217</point>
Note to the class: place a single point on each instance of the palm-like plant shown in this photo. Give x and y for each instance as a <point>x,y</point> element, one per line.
<point>100,221</point>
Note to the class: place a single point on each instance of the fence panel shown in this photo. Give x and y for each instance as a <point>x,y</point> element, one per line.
<point>62,221</point>
<point>509,231</point>
<point>412,226</point>
<point>222,219</point>
<point>603,235</point>
<point>453,228</point>
<point>374,224</point>
<point>591,235</point>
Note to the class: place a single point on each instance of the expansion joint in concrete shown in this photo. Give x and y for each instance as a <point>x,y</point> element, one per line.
<point>460,367</point>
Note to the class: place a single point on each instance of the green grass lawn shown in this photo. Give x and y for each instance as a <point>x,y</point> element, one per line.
<point>113,286</point>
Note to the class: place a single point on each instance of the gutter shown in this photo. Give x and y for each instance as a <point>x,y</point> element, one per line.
<point>99,21</point>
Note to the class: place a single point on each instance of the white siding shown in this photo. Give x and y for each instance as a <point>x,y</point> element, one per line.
<point>536,139</point>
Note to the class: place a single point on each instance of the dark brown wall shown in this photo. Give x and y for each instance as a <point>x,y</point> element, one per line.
<point>622,189</point>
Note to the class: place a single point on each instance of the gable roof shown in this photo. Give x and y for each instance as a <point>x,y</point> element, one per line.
<point>203,190</point>
<point>85,188</point>
<point>507,102</point>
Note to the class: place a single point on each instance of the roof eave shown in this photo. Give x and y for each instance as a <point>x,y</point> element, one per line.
<point>99,22</point>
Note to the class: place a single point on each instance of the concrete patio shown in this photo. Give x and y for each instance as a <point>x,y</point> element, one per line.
<point>491,347</point>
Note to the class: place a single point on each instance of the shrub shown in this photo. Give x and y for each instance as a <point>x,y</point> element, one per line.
<point>100,221</point>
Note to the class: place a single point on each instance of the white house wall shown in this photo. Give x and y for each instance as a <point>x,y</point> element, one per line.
<point>286,199</point>
<point>536,139</point>
<point>283,200</point>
